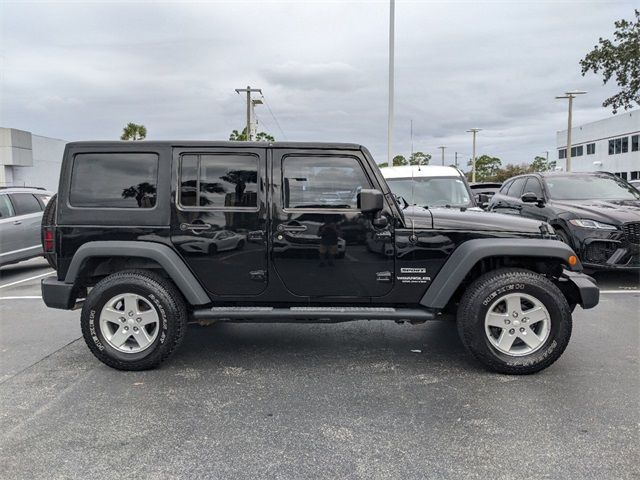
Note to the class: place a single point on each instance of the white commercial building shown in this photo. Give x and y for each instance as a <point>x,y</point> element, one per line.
<point>29,160</point>
<point>612,145</point>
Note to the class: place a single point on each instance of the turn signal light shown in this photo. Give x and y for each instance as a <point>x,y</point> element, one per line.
<point>48,240</point>
<point>573,260</point>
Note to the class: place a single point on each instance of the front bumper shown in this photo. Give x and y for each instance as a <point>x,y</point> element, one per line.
<point>57,294</point>
<point>606,250</point>
<point>580,288</point>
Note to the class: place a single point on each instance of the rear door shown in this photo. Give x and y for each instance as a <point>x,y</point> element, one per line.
<point>219,223</point>
<point>10,228</point>
<point>322,245</point>
<point>28,217</point>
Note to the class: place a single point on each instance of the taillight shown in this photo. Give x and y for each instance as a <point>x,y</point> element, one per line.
<point>49,246</point>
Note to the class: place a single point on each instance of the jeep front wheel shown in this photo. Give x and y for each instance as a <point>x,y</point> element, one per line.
<point>514,321</point>
<point>133,320</point>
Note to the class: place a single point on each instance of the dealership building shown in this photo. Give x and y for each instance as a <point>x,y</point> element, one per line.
<point>29,160</point>
<point>611,144</point>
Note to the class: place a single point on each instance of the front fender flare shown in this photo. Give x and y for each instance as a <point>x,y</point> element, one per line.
<point>463,259</point>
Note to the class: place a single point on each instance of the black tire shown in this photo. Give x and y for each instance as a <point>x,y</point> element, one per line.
<point>165,298</point>
<point>213,249</point>
<point>484,291</point>
<point>49,220</point>
<point>564,237</point>
<point>240,245</point>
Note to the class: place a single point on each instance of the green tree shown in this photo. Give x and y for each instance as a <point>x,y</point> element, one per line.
<point>419,158</point>
<point>399,161</point>
<point>620,57</point>
<point>133,131</point>
<point>241,137</point>
<point>486,167</point>
<point>541,164</point>
<point>509,171</point>
<point>383,165</point>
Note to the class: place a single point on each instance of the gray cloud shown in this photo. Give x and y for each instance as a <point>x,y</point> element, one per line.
<point>82,70</point>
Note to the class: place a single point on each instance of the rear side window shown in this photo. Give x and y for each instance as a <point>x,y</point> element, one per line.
<point>25,203</point>
<point>515,190</point>
<point>114,180</point>
<point>322,182</point>
<point>6,209</point>
<point>219,181</point>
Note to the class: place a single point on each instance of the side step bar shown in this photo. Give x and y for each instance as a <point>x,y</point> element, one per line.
<point>313,314</point>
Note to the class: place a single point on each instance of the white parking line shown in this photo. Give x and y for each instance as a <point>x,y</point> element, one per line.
<point>620,291</point>
<point>26,279</point>
<point>26,297</point>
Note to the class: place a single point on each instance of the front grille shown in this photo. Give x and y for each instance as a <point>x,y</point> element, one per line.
<point>632,232</point>
<point>599,252</point>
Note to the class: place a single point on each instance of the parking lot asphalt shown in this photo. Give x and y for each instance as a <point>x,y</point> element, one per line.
<point>355,400</point>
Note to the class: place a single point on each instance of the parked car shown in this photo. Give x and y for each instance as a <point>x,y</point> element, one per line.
<point>20,217</point>
<point>636,184</point>
<point>430,186</point>
<point>483,191</point>
<point>597,214</point>
<point>124,210</point>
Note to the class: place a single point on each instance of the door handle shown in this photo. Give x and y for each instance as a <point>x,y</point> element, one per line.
<point>292,228</point>
<point>195,227</point>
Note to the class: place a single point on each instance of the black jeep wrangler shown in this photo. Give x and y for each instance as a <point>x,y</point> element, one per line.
<point>147,236</point>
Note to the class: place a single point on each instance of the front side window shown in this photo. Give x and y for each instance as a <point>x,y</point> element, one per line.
<point>515,190</point>
<point>322,182</point>
<point>590,187</point>
<point>533,186</point>
<point>6,209</point>
<point>114,180</point>
<point>219,180</point>
<point>432,192</point>
<point>25,203</point>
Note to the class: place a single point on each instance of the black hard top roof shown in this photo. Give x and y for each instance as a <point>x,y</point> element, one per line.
<point>217,143</point>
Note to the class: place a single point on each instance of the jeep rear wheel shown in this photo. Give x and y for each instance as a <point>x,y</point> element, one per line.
<point>514,321</point>
<point>133,320</point>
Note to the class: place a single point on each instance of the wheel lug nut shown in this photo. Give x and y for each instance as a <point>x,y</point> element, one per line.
<point>507,321</point>
<point>522,329</point>
<point>138,320</point>
<point>131,314</point>
<point>512,331</point>
<point>135,329</point>
<point>122,319</point>
<point>126,328</point>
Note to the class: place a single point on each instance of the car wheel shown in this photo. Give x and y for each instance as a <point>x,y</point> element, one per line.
<point>240,245</point>
<point>564,237</point>
<point>133,320</point>
<point>514,321</point>
<point>49,220</point>
<point>213,249</point>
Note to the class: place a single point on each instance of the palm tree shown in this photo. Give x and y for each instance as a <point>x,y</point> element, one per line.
<point>133,131</point>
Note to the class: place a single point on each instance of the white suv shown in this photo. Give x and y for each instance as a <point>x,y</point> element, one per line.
<point>430,186</point>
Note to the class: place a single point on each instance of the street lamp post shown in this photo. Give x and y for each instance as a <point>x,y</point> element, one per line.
<point>473,161</point>
<point>570,95</point>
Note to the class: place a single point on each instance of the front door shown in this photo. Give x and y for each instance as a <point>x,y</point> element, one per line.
<point>219,223</point>
<point>322,245</point>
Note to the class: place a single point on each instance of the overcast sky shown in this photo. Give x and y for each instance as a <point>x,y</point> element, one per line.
<point>82,70</point>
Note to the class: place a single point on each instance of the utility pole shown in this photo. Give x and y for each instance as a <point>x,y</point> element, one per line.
<point>570,96</point>
<point>248,90</point>
<point>456,159</point>
<point>392,7</point>
<point>442,149</point>
<point>473,161</point>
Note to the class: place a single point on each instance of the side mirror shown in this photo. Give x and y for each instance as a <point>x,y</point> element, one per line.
<point>370,200</point>
<point>531,197</point>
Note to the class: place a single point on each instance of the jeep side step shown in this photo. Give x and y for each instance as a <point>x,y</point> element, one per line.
<point>312,314</point>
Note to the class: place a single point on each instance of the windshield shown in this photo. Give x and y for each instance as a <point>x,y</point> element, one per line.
<point>590,187</point>
<point>432,191</point>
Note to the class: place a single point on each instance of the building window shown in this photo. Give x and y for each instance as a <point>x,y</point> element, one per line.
<point>635,140</point>
<point>591,148</point>
<point>635,175</point>
<point>611,147</point>
<point>625,144</point>
<point>620,145</point>
<point>621,175</point>
<point>576,151</point>
<point>562,153</point>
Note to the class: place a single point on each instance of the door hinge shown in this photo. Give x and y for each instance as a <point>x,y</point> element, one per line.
<point>258,275</point>
<point>383,277</point>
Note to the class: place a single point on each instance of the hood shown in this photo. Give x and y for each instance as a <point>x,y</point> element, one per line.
<point>606,211</point>
<point>457,219</point>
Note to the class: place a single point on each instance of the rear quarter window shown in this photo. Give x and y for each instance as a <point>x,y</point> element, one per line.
<point>114,180</point>
<point>25,203</point>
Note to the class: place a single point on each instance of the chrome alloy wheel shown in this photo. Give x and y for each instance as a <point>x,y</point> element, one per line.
<point>517,324</point>
<point>129,323</point>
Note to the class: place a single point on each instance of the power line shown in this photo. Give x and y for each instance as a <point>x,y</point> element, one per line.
<point>274,117</point>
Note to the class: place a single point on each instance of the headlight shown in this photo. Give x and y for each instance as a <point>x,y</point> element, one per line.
<point>584,223</point>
